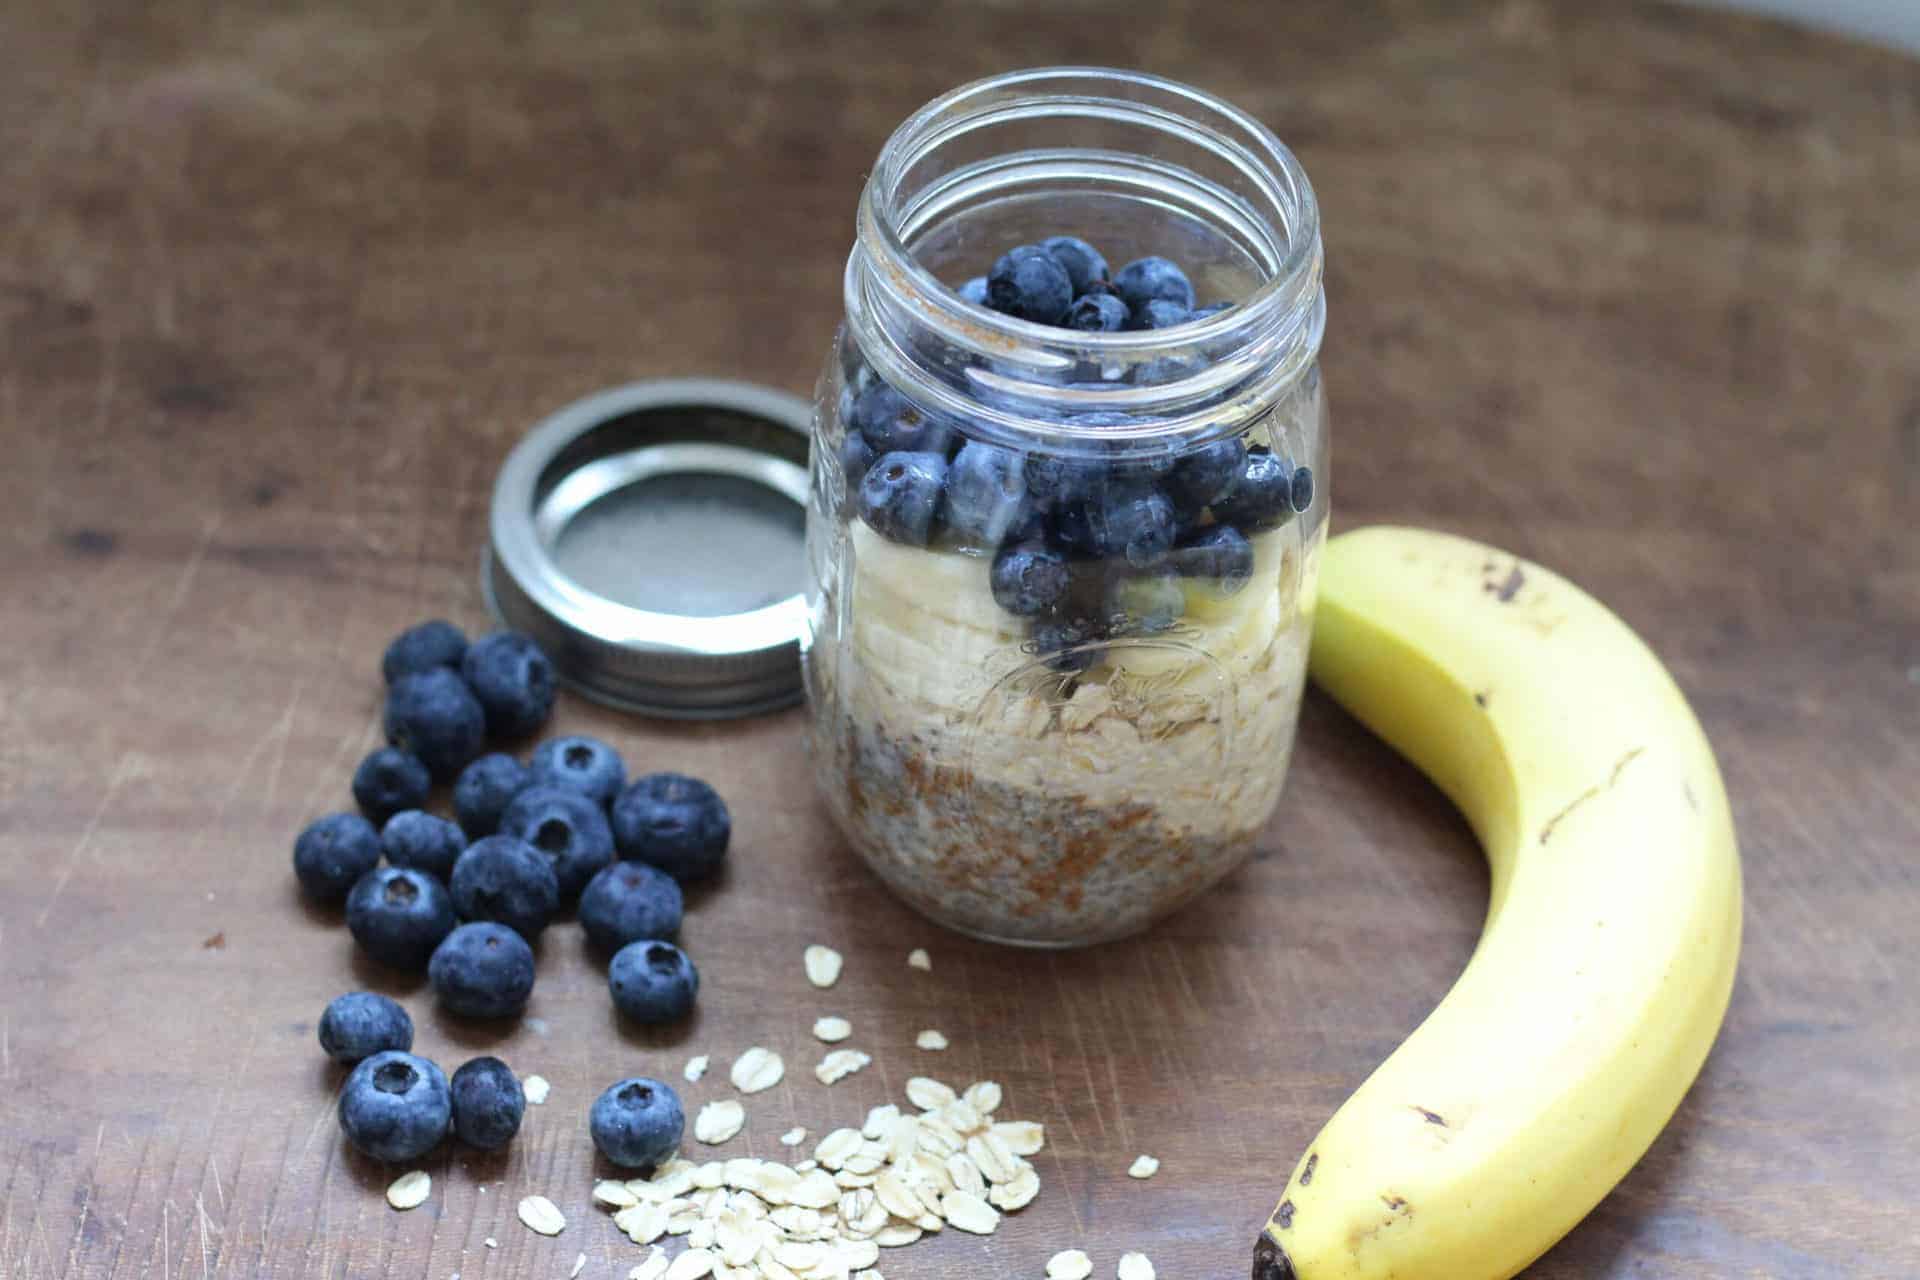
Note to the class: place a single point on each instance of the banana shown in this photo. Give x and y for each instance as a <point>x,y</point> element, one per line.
<point>1607,958</point>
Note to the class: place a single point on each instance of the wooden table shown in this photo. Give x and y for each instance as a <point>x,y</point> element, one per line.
<point>1635,294</point>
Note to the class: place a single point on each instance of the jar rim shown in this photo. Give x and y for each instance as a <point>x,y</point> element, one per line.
<point>1282,315</point>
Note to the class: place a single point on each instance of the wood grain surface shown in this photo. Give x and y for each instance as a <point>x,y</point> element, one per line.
<point>1632,292</point>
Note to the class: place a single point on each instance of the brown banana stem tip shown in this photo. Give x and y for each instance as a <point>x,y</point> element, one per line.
<point>1270,1261</point>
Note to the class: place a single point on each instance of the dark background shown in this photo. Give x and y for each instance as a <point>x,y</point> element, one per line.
<point>1630,292</point>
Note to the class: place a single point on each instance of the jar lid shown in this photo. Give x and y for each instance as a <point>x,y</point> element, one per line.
<point>651,538</point>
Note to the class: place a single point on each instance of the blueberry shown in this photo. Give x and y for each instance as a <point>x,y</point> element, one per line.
<point>1120,521</point>
<point>482,970</point>
<point>900,496</point>
<point>431,644</point>
<point>986,490</point>
<point>1161,370</point>
<point>1098,313</point>
<point>390,780</point>
<point>1064,644</point>
<point>360,1024</point>
<point>1263,496</point>
<point>434,715</point>
<point>395,1107</point>
<point>1147,603</point>
<point>891,423</point>
<point>399,915</point>
<point>505,879</point>
<point>1029,283</point>
<point>1145,279</point>
<point>1055,479</point>
<point>1204,475</point>
<point>974,291</point>
<point>630,902</point>
<point>513,681</point>
<point>1029,579</point>
<point>568,828</point>
<point>1158,313</point>
<point>637,1123</point>
<point>1300,489</point>
<point>653,982</point>
<point>856,455</point>
<point>588,765</point>
<point>484,790</point>
<point>1220,553</point>
<point>416,839</point>
<point>488,1103</point>
<point>333,853</point>
<point>1083,264</point>
<point>676,823</point>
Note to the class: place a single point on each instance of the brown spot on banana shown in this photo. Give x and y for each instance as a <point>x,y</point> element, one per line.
<point>1306,1174</point>
<point>1270,1261</point>
<point>1431,1117</point>
<point>1283,1216</point>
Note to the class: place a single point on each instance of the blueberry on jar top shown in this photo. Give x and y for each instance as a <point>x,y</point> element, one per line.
<point>1098,313</point>
<point>1029,579</point>
<point>505,879</point>
<point>1204,475</point>
<point>488,1103</point>
<point>901,495</point>
<point>1029,283</point>
<point>1262,498</point>
<point>588,765</point>
<point>388,781</point>
<point>1159,313</point>
<point>1152,278</point>
<point>513,681</point>
<point>891,423</point>
<point>1083,264</point>
<point>437,643</point>
<point>1120,521</point>
<point>974,291</point>
<point>856,455</point>
<point>986,491</point>
<point>331,855</point>
<point>434,715</point>
<point>359,1024</point>
<point>395,1107</point>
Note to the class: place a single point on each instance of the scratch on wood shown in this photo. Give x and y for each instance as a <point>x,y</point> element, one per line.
<point>1546,832</point>
<point>121,772</point>
<point>182,584</point>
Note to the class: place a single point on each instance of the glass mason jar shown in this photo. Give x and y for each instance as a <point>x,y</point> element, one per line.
<point>1061,581</point>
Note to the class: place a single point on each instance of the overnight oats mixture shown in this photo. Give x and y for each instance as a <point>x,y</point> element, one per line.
<point>1055,688</point>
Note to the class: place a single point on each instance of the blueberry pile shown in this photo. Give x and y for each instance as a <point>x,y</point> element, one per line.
<point>1091,547</point>
<point>466,898</point>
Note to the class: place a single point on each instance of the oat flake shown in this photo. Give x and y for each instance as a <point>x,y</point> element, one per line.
<point>540,1214</point>
<point>1069,1264</point>
<point>719,1121</point>
<point>823,965</point>
<point>614,1195</point>
<point>536,1088</point>
<point>928,1095</point>
<point>1144,1167</point>
<point>579,1265</point>
<point>695,1068</point>
<point>410,1189</point>
<point>1134,1266</point>
<point>840,1064</point>
<point>972,1214</point>
<point>757,1070</point>
<point>831,1030</point>
<point>919,959</point>
<point>693,1264</point>
<point>793,1137</point>
<point>653,1268</point>
<point>930,1040</point>
<point>983,1096</point>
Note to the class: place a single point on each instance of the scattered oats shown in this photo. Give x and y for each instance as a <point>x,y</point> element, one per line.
<point>719,1121</point>
<point>579,1265</point>
<point>1017,1192</point>
<point>823,965</point>
<point>939,1138</point>
<point>858,1275</point>
<point>410,1189</point>
<point>614,1195</point>
<point>840,1064</point>
<point>831,1030</point>
<point>857,1255</point>
<point>928,1095</point>
<point>1023,1137</point>
<point>682,1221</point>
<point>696,1067</point>
<point>816,1190</point>
<point>880,1122</point>
<point>962,1117</point>
<point>983,1096</point>
<point>851,1180</point>
<point>806,1166</point>
<point>757,1070</point>
<point>700,1234</point>
<point>691,1265</point>
<point>834,1149</point>
<point>930,1040</point>
<point>1069,1264</point>
<point>989,1151</point>
<point>966,1175</point>
<point>905,1138</point>
<point>969,1213</point>
<point>793,1137</point>
<point>536,1088</point>
<point>799,1255</point>
<point>770,1268</point>
<point>930,1223</point>
<point>642,1223</point>
<point>710,1175</point>
<point>896,1234</point>
<point>653,1268</point>
<point>540,1214</point>
<point>897,1196</point>
<point>491,1243</point>
<point>928,1194</point>
<point>1134,1266</point>
<point>1144,1167</point>
<point>919,959</point>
